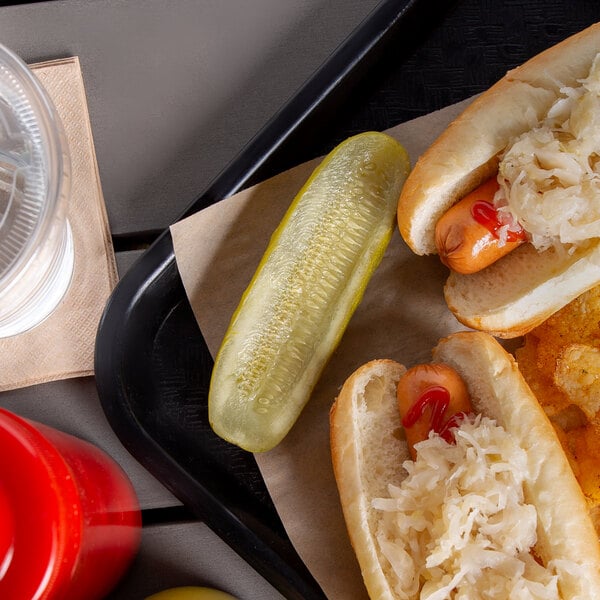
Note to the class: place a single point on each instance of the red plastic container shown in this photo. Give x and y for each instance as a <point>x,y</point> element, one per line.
<point>70,522</point>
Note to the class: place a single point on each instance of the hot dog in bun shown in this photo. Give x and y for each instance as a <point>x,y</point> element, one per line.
<point>487,507</point>
<point>509,194</point>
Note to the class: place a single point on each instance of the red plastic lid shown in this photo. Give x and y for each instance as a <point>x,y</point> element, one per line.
<point>41,508</point>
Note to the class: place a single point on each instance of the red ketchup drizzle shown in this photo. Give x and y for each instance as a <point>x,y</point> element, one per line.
<point>437,398</point>
<point>453,422</point>
<point>485,214</point>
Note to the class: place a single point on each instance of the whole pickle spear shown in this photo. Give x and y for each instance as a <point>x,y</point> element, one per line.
<point>305,290</point>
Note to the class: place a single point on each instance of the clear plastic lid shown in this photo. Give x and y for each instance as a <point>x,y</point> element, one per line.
<point>34,185</point>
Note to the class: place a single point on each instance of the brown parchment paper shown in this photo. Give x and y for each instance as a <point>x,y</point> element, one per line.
<point>62,346</point>
<point>402,316</point>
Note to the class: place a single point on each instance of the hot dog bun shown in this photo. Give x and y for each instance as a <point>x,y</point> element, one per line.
<point>465,155</point>
<point>368,450</point>
<point>516,294</point>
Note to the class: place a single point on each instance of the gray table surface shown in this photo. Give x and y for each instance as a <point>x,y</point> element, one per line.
<point>175,90</point>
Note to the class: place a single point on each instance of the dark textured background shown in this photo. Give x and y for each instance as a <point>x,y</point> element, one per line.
<point>456,50</point>
<point>470,47</point>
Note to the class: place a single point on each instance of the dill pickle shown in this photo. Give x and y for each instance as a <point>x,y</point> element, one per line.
<point>308,284</point>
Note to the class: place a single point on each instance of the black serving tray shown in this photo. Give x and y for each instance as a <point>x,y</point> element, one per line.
<point>152,365</point>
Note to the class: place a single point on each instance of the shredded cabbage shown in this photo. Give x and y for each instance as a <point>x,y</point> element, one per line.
<point>458,526</point>
<point>550,176</point>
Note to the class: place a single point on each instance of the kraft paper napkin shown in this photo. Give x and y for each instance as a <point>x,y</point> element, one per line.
<point>402,316</point>
<point>63,345</point>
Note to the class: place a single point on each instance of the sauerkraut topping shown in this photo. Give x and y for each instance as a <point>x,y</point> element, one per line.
<point>550,176</point>
<point>458,526</point>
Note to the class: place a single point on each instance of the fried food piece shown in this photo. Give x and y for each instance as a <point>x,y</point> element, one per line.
<point>560,361</point>
<point>577,374</point>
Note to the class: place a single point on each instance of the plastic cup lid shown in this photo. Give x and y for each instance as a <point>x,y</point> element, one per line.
<point>31,161</point>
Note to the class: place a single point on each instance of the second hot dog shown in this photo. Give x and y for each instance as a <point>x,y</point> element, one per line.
<point>496,513</point>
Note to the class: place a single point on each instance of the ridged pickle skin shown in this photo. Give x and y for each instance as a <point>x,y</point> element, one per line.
<point>308,284</point>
